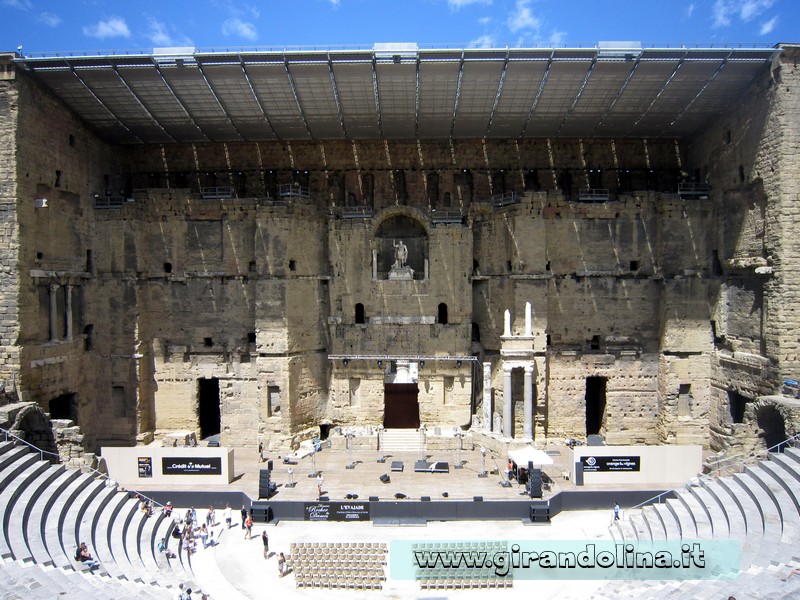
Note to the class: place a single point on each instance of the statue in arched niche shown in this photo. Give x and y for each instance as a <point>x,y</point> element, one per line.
<point>400,254</point>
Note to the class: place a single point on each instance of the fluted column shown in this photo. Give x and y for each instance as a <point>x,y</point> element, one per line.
<point>68,311</point>
<point>508,404</point>
<point>527,427</point>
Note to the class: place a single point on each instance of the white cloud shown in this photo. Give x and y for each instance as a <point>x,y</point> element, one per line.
<point>558,38</point>
<point>485,20</point>
<point>335,3</point>
<point>767,27</point>
<point>522,18</point>
<point>111,27</point>
<point>158,34</point>
<point>50,19</point>
<point>724,11</point>
<point>20,4</point>
<point>690,11</point>
<point>484,41</point>
<point>457,4</point>
<point>237,27</point>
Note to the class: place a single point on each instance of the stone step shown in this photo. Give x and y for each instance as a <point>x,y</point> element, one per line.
<point>783,499</point>
<point>701,518</point>
<point>9,495</point>
<point>682,516</point>
<point>653,523</point>
<point>6,446</point>
<point>737,526</point>
<point>668,521</point>
<point>51,522</point>
<point>112,529</point>
<point>766,507</point>
<point>12,453</point>
<point>786,481</point>
<point>717,516</point>
<point>400,440</point>
<point>792,453</point>
<point>100,522</point>
<point>71,517</point>
<point>19,460</point>
<point>626,531</point>
<point>37,513</point>
<point>791,468</point>
<point>641,527</point>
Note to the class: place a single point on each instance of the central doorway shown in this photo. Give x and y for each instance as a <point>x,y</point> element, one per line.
<point>208,410</point>
<point>400,406</point>
<point>595,404</point>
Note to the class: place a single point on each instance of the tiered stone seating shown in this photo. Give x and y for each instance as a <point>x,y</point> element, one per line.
<point>46,510</point>
<point>759,507</point>
<point>332,565</point>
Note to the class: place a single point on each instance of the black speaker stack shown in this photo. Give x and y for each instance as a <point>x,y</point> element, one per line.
<point>265,483</point>
<point>534,484</point>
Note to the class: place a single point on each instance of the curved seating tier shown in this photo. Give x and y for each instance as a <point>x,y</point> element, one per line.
<point>46,510</point>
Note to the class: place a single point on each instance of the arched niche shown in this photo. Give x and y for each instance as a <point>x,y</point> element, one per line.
<point>401,246</point>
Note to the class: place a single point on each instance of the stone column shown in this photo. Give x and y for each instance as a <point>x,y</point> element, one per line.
<point>487,396</point>
<point>508,404</point>
<point>507,323</point>
<point>527,427</point>
<point>528,320</point>
<point>53,313</point>
<point>374,264</point>
<point>68,311</point>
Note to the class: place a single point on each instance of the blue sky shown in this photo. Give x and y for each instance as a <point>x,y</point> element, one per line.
<point>106,25</point>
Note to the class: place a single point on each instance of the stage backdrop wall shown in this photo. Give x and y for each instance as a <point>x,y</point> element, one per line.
<point>640,465</point>
<point>159,465</point>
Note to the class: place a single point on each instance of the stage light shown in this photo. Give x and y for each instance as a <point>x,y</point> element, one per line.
<point>422,364</point>
<point>346,361</point>
<point>380,364</point>
<point>458,364</point>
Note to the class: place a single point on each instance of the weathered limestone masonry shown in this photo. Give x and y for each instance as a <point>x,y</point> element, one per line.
<point>273,291</point>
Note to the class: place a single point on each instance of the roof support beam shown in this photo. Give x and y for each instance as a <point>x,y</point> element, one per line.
<point>497,96</point>
<point>218,101</point>
<point>538,94</point>
<point>458,94</point>
<point>101,103</point>
<point>377,97</point>
<point>178,100</point>
<point>336,96</point>
<point>138,100</point>
<point>295,95</point>
<point>658,95</point>
<point>257,98</point>
<point>577,96</point>
<point>624,85</point>
<point>416,100</point>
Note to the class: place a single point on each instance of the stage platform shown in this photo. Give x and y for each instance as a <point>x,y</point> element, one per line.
<point>455,493</point>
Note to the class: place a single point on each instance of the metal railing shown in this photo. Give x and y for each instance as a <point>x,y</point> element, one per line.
<point>446,216</point>
<point>6,433</point>
<point>593,195</point>
<point>216,193</point>
<point>109,202</point>
<point>357,212</point>
<point>694,190</point>
<point>729,468</point>
<point>506,199</point>
<point>293,189</point>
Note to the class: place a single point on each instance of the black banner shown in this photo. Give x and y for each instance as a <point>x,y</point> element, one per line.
<point>336,511</point>
<point>145,466</point>
<point>195,465</point>
<point>596,464</point>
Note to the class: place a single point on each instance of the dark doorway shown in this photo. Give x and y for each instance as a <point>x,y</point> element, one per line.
<point>595,404</point>
<point>771,422</point>
<point>401,406</point>
<point>65,407</point>
<point>736,404</point>
<point>208,407</point>
<point>442,313</point>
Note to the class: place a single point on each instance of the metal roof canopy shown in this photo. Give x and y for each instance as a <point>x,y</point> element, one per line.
<point>518,93</point>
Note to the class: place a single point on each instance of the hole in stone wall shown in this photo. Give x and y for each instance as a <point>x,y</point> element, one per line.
<point>71,140</point>
<point>360,316</point>
<point>64,406</point>
<point>716,263</point>
<point>476,332</point>
<point>547,266</point>
<point>508,266</point>
<point>634,265</point>
<point>736,405</point>
<point>475,265</point>
<point>594,344</point>
<point>252,266</point>
<point>727,136</point>
<point>88,339</point>
<point>771,422</point>
<point>58,179</point>
<point>39,255</point>
<point>89,261</point>
<point>442,316</point>
<point>274,400</point>
<point>251,337</point>
<point>292,265</point>
<point>741,174</point>
<point>595,404</point>
<point>208,407</point>
<point>208,342</point>
<point>167,267</point>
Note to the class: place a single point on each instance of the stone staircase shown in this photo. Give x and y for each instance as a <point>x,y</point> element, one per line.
<point>759,507</point>
<point>399,440</point>
<point>46,510</point>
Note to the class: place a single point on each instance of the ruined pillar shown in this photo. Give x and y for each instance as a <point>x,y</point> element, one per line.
<point>53,313</point>
<point>527,426</point>
<point>487,396</point>
<point>507,324</point>
<point>528,320</point>
<point>508,405</point>
<point>68,312</point>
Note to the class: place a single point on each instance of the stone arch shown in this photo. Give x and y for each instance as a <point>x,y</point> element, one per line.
<point>33,425</point>
<point>771,424</point>
<point>401,225</point>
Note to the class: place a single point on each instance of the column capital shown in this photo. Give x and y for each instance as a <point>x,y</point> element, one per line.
<point>529,369</point>
<point>507,369</point>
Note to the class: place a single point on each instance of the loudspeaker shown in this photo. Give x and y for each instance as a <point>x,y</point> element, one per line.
<point>477,498</point>
<point>324,499</point>
<point>399,496</point>
<point>534,484</point>
<point>264,483</point>
<point>425,499</point>
<point>385,478</point>
<point>269,464</point>
<point>373,498</point>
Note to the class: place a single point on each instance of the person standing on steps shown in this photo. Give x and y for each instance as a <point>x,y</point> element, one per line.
<point>244,515</point>
<point>265,539</point>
